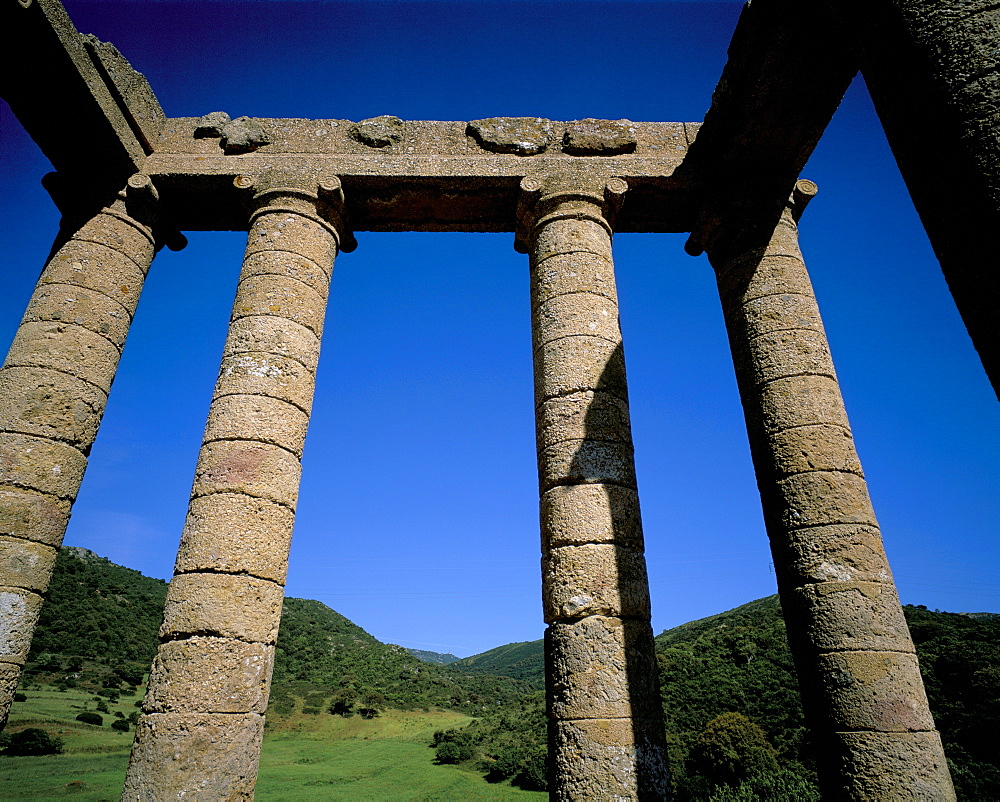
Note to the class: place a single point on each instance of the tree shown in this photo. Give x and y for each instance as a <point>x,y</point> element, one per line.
<point>372,703</point>
<point>731,749</point>
<point>33,741</point>
<point>89,717</point>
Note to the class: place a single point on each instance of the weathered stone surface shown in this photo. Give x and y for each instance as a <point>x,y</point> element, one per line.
<point>794,352</point>
<point>73,304</point>
<point>282,297</point>
<point>592,137</point>
<point>595,513</point>
<point>609,759</point>
<point>594,416</point>
<point>118,232</point>
<point>849,616</point>
<point>236,534</point>
<point>210,675</point>
<point>771,313</point>
<point>258,417</point>
<point>579,271</point>
<point>573,235</point>
<point>523,136</point>
<point>211,125</point>
<point>36,516</point>
<point>200,756</point>
<point>288,265</point>
<point>898,765</point>
<point>273,336</point>
<point>48,403</point>
<point>825,497</point>
<point>586,462</point>
<point>817,447</point>
<point>268,375</point>
<point>26,564</point>
<point>776,274</point>
<point>594,580</point>
<point>579,313</point>
<point>98,268</point>
<point>801,401</point>
<point>10,674</point>
<point>66,347</point>
<point>244,134</point>
<point>599,667</point>
<point>578,364</point>
<point>18,615</point>
<point>841,552</point>
<point>256,469</point>
<point>377,132</point>
<point>34,463</point>
<point>222,605</point>
<point>878,691</point>
<point>279,228</point>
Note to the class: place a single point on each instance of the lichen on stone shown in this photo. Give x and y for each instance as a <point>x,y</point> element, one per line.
<point>211,125</point>
<point>523,136</point>
<point>244,134</point>
<point>592,137</point>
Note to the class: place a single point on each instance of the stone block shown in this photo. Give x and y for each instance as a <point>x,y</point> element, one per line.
<point>841,553</point>
<point>210,675</point>
<point>772,313</point>
<point>10,675</point>
<point>801,401</point>
<point>576,364</point>
<point>574,272</point>
<point>592,137</point>
<point>267,334</point>
<point>66,347</point>
<point>276,229</point>
<point>198,756</point>
<point>586,462</point>
<point>265,374</point>
<point>579,313</point>
<point>25,563</point>
<point>571,235</point>
<point>48,403</point>
<point>524,136</point>
<point>602,668</point>
<point>596,513</point>
<point>34,463</point>
<point>609,759</point>
<point>880,691</point>
<point>120,233</point>
<point>288,265</point>
<point>257,417</point>
<point>33,515</point>
<point>595,579</point>
<point>584,415</point>
<point>817,447</point>
<point>282,298</point>
<point>235,534</point>
<point>790,353</point>
<point>848,616</point>
<point>759,276</point>
<point>896,765</point>
<point>95,311</point>
<point>222,605</point>
<point>254,469</point>
<point>820,498</point>
<point>19,611</point>
<point>99,269</point>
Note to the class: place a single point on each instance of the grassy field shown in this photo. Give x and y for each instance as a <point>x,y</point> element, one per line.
<point>304,757</point>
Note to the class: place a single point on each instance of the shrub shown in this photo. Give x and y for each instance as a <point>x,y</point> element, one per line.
<point>119,725</point>
<point>33,741</point>
<point>20,697</point>
<point>89,717</point>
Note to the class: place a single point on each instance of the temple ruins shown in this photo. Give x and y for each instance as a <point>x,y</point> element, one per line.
<point>130,180</point>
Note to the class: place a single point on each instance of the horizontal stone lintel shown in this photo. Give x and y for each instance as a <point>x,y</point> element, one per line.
<point>436,177</point>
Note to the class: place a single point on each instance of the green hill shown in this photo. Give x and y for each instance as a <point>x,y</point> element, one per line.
<point>525,661</point>
<point>434,657</point>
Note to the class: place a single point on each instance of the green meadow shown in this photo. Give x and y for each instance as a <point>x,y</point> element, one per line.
<point>305,756</point>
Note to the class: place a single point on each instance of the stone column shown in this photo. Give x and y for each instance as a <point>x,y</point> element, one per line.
<point>857,668</point>
<point>606,732</point>
<point>203,715</point>
<point>53,388</point>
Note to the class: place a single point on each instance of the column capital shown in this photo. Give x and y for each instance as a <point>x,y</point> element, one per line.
<point>566,195</point>
<point>319,196</point>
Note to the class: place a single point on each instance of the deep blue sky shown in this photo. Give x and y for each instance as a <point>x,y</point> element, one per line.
<point>418,510</point>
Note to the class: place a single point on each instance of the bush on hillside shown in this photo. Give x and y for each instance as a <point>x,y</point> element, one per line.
<point>32,741</point>
<point>89,717</point>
